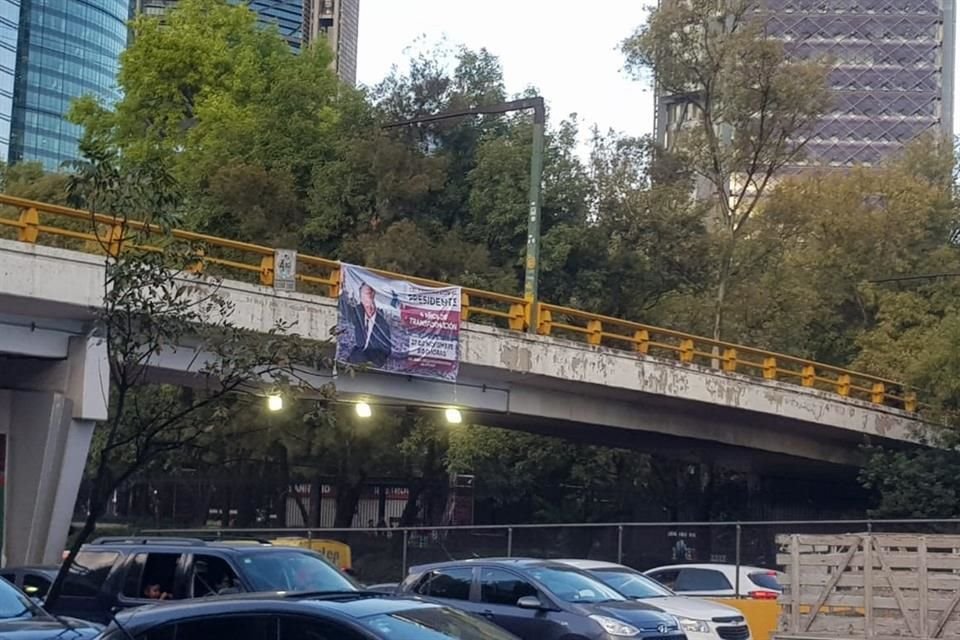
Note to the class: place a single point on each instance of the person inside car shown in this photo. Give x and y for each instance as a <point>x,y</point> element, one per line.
<point>154,592</point>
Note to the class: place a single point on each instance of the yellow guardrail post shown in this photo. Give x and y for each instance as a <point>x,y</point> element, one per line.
<point>843,384</point>
<point>594,332</point>
<point>730,360</point>
<point>808,376</point>
<point>115,240</point>
<point>334,288</point>
<point>879,393</point>
<point>641,341</point>
<point>198,267</point>
<point>770,368</point>
<point>30,219</point>
<point>518,317</point>
<point>910,401</point>
<point>686,350</point>
<point>464,306</point>
<point>266,271</point>
<point>544,321</point>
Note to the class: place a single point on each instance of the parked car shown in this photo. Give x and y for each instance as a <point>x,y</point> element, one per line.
<point>33,581</point>
<point>700,619</point>
<point>719,581</point>
<point>539,600</point>
<point>22,619</point>
<point>119,573</point>
<point>343,616</point>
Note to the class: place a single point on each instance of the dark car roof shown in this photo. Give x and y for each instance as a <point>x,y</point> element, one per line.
<point>342,605</point>
<point>188,544</point>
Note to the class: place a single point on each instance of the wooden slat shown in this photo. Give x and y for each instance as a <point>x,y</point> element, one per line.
<point>825,593</point>
<point>924,581</point>
<point>795,584</point>
<point>898,596</point>
<point>868,590</point>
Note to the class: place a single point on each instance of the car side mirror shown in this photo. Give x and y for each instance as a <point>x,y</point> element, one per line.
<point>530,602</point>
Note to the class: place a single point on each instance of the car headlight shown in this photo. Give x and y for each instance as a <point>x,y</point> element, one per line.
<point>616,628</point>
<point>689,625</point>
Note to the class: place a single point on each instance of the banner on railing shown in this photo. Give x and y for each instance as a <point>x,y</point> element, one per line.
<point>397,326</point>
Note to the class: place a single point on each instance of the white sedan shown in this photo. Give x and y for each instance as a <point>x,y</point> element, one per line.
<point>699,619</point>
<point>713,580</point>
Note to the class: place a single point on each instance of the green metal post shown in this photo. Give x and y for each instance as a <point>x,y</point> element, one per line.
<point>531,283</point>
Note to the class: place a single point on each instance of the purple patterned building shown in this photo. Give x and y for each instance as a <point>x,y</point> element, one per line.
<point>893,74</point>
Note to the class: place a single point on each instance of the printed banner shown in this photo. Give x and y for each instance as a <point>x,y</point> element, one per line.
<point>397,326</point>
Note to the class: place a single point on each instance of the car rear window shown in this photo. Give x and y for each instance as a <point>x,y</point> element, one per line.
<point>766,580</point>
<point>88,573</point>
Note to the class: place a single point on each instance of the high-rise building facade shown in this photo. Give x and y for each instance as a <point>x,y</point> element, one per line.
<point>301,22</point>
<point>51,52</point>
<point>339,22</point>
<point>891,79</point>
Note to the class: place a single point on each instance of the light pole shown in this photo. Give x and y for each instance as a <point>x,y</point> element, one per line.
<point>531,279</point>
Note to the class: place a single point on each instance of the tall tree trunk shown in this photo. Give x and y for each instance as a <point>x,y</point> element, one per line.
<point>723,285</point>
<point>348,497</point>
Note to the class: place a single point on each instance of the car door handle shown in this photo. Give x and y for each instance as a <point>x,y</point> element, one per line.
<point>487,613</point>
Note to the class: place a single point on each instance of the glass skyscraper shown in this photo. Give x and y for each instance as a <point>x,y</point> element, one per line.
<point>60,50</point>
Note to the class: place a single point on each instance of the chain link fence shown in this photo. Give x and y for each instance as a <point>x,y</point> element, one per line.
<point>386,555</point>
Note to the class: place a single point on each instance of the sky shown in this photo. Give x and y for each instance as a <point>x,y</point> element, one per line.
<point>565,48</point>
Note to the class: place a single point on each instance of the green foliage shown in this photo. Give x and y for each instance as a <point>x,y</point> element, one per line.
<point>749,109</point>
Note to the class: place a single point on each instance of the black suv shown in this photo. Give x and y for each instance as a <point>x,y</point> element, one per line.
<point>118,573</point>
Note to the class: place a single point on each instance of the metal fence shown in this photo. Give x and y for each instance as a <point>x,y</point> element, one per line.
<point>385,555</point>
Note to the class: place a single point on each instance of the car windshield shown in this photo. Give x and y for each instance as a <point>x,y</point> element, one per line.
<point>292,571</point>
<point>572,586</point>
<point>16,606</point>
<point>433,623</point>
<point>631,583</point>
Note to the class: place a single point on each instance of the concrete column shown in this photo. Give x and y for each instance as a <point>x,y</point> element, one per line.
<point>48,413</point>
<point>35,451</point>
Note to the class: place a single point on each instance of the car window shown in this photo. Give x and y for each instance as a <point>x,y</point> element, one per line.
<point>571,585</point>
<point>131,582</point>
<point>502,587</point>
<point>213,576</point>
<point>766,580</point>
<point>35,585</point>
<point>88,573</point>
<point>292,571</point>
<point>15,606</point>
<point>293,628</point>
<point>157,578</point>
<point>667,577</point>
<point>433,623</point>
<point>449,583</point>
<point>249,627</point>
<point>702,580</point>
<point>632,583</point>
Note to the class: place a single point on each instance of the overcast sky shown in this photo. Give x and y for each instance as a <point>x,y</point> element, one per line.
<point>566,48</point>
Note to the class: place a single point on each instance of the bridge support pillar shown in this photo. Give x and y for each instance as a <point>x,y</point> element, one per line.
<point>48,409</point>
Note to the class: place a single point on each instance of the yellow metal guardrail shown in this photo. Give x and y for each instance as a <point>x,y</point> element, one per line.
<point>30,221</point>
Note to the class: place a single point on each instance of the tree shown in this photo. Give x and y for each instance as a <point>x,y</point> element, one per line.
<point>152,305</point>
<point>749,108</point>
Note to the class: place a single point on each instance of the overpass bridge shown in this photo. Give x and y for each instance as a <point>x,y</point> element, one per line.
<point>578,375</point>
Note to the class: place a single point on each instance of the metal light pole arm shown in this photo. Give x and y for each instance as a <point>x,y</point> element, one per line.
<point>531,280</point>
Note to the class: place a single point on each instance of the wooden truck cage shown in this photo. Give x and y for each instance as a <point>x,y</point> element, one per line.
<point>870,586</point>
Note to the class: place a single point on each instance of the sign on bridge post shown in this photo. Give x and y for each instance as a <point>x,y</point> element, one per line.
<point>285,270</point>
